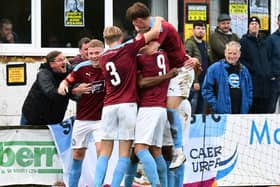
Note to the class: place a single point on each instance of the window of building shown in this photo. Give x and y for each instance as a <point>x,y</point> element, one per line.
<point>41,25</point>
<point>15,21</point>
<point>57,33</point>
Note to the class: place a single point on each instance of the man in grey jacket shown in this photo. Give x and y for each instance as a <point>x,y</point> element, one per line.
<point>220,37</point>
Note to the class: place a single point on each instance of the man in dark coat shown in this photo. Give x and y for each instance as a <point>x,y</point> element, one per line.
<point>43,105</point>
<point>254,55</point>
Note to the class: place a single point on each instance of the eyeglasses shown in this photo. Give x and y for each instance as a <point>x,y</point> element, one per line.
<point>60,59</point>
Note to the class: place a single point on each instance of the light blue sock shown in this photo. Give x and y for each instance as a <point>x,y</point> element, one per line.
<point>130,174</point>
<point>170,175</point>
<point>179,173</point>
<point>162,170</point>
<point>75,173</point>
<point>100,170</point>
<point>150,166</point>
<point>119,171</point>
<point>177,126</point>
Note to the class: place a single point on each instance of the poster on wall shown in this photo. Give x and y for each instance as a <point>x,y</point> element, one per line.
<point>74,13</point>
<point>195,12</point>
<point>16,74</point>
<point>260,8</point>
<point>238,11</point>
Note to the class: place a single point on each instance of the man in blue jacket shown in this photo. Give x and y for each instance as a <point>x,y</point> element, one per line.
<point>227,86</point>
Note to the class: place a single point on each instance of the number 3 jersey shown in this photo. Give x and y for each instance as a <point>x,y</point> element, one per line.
<point>119,68</point>
<point>153,65</point>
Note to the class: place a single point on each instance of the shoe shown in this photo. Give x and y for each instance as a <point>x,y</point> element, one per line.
<point>143,180</point>
<point>178,159</point>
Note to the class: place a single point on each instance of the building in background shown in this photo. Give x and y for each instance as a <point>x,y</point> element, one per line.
<point>40,25</point>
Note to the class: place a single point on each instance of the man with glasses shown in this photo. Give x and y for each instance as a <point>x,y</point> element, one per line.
<point>43,105</point>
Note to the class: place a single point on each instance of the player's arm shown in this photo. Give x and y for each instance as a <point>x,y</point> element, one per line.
<point>155,30</point>
<point>146,82</point>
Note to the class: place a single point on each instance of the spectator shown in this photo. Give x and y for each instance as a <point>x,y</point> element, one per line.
<point>88,109</point>
<point>198,48</point>
<point>254,55</point>
<point>227,87</point>
<point>220,37</point>
<point>6,32</point>
<point>83,49</point>
<point>43,105</point>
<point>274,55</point>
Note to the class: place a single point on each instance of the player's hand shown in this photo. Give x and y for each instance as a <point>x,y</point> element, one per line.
<point>191,62</point>
<point>83,88</point>
<point>172,73</point>
<point>196,86</point>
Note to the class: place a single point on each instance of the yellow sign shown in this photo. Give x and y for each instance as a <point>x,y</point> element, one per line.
<point>238,8</point>
<point>264,18</point>
<point>196,12</point>
<point>197,15</point>
<point>74,19</point>
<point>16,74</point>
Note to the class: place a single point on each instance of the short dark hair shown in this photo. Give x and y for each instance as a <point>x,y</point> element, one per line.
<point>52,55</point>
<point>82,41</point>
<point>137,10</point>
<point>4,21</point>
<point>198,23</point>
<point>278,17</point>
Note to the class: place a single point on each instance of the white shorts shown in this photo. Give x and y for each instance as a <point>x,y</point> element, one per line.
<point>119,121</point>
<point>182,83</point>
<point>167,136</point>
<point>150,124</point>
<point>83,130</point>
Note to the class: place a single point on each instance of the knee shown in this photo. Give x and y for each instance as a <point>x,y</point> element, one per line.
<point>79,154</point>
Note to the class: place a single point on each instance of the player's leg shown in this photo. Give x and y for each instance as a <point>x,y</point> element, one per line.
<point>184,111</point>
<point>179,88</point>
<point>102,162</point>
<point>167,153</point>
<point>161,165</point>
<point>132,169</point>
<point>127,119</point>
<point>109,121</point>
<point>80,137</point>
<point>146,128</point>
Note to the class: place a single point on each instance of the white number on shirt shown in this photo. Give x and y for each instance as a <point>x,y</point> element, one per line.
<point>161,64</point>
<point>110,67</point>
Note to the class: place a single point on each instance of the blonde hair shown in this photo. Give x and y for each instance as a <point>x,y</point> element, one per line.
<point>233,43</point>
<point>112,34</point>
<point>95,43</point>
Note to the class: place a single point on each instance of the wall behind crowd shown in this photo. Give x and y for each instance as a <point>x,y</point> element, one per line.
<point>12,97</point>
